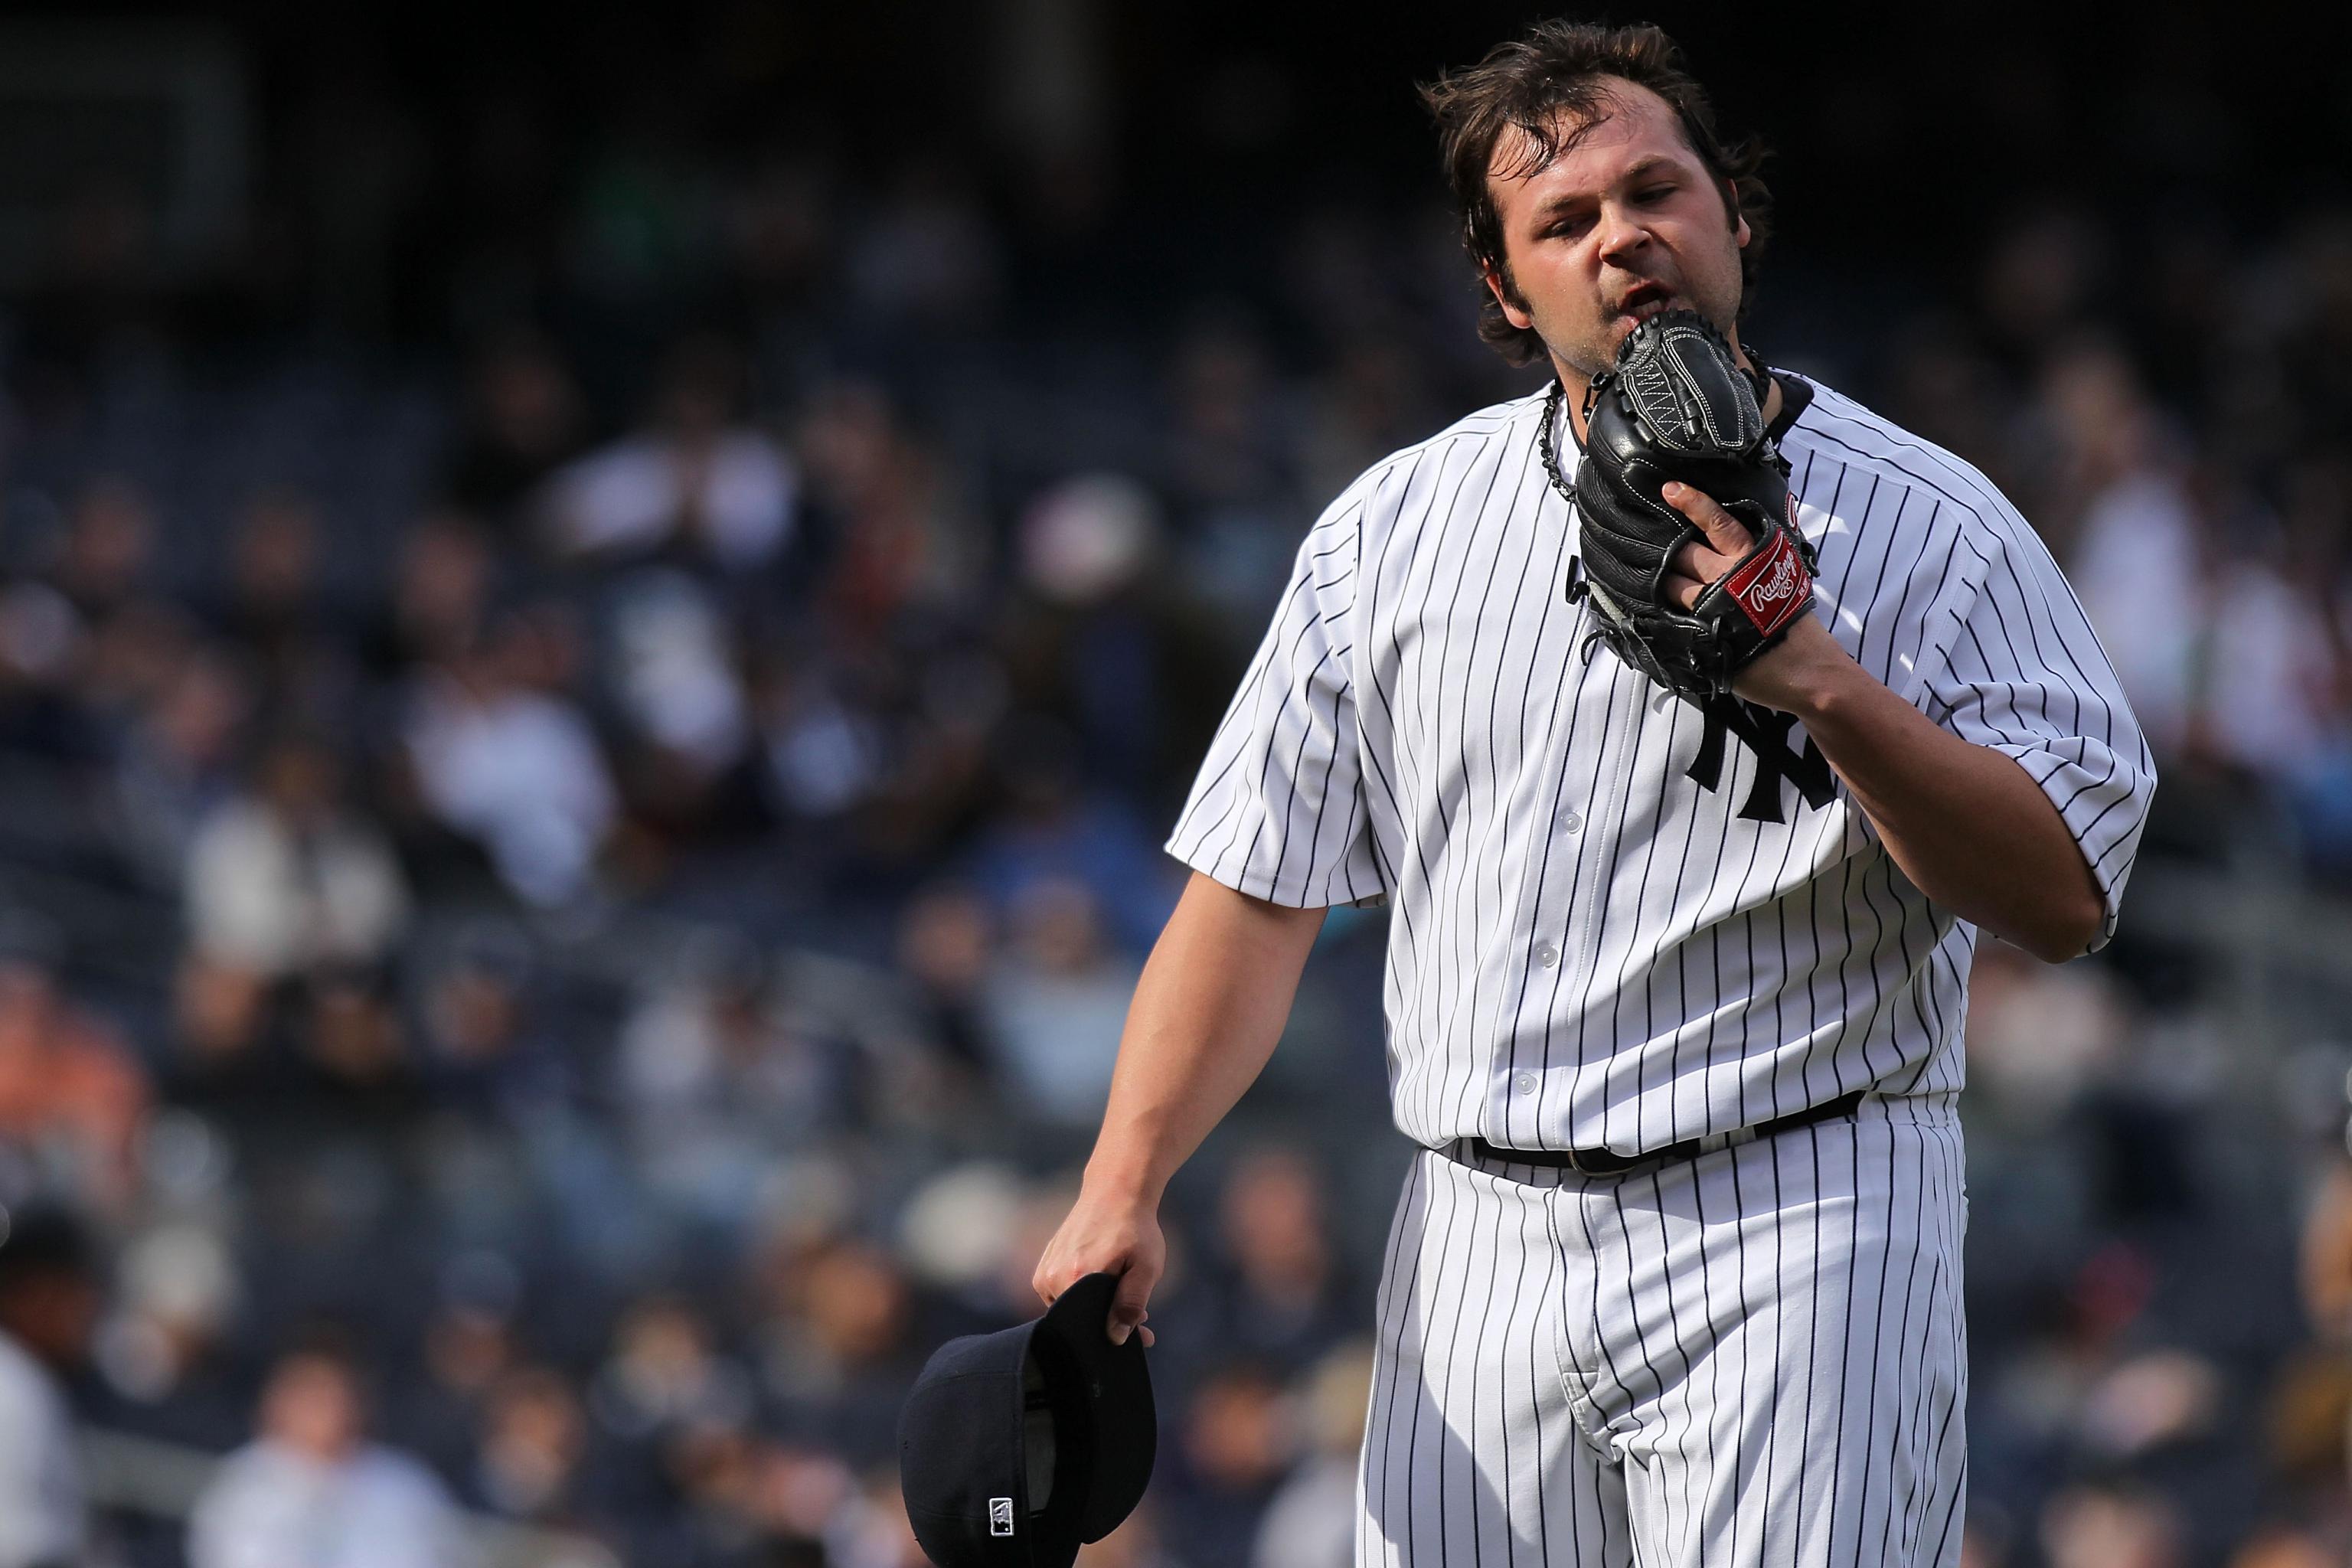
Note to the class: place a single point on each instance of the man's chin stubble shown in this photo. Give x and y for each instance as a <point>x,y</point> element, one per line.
<point>1580,358</point>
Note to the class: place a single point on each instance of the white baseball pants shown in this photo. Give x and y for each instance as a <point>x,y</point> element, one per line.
<point>1755,1357</point>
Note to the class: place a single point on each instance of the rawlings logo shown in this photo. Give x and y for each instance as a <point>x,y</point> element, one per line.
<point>1771,586</point>
<point>1778,586</point>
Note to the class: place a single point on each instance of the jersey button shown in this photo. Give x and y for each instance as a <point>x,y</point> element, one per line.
<point>1659,699</point>
<point>1570,822</point>
<point>1547,955</point>
<point>1524,1083</point>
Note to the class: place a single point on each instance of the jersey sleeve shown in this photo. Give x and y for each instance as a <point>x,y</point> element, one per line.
<point>1277,810</point>
<point>2023,674</point>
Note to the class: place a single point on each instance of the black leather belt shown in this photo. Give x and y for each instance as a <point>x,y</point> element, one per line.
<point>1609,1162</point>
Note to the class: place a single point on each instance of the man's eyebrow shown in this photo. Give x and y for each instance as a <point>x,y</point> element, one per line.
<point>1655,164</point>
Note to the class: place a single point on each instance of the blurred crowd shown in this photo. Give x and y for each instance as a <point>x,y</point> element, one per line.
<point>566,904</point>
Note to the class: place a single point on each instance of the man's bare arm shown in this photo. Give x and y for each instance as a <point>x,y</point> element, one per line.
<point>1967,823</point>
<point>1207,1012</point>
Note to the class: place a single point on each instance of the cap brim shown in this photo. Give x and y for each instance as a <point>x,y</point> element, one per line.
<point>1118,1392</point>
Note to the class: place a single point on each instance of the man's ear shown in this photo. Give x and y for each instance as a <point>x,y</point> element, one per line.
<point>1512,312</point>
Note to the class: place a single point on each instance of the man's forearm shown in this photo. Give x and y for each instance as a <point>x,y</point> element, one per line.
<point>1207,1012</point>
<point>1965,823</point>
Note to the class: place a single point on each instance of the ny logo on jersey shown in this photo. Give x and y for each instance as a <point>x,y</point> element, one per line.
<point>1764,731</point>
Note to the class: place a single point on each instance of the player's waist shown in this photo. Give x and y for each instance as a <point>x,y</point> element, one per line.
<point>1600,1160</point>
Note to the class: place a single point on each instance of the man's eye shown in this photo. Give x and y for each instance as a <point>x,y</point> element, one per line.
<point>1657,193</point>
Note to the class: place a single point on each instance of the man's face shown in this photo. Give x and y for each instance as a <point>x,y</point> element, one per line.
<point>1625,223</point>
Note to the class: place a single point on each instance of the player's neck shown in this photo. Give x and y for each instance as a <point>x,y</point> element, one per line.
<point>1578,385</point>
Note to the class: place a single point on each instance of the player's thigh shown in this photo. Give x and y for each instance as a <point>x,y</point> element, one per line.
<point>1472,1451</point>
<point>1811,1412</point>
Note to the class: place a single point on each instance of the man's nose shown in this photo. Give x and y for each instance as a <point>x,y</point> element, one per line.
<point>1619,231</point>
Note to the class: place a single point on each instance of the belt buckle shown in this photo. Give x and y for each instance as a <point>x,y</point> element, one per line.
<point>1617,1166</point>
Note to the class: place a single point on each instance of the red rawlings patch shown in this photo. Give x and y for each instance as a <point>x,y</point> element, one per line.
<point>1772,584</point>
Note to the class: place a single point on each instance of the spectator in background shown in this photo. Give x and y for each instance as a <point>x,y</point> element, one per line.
<point>1236,1443</point>
<point>1279,1297</point>
<point>695,483</point>
<point>836,1349</point>
<point>2110,1527</point>
<point>440,595</point>
<point>907,547</point>
<point>1056,1004</point>
<point>1052,826</point>
<point>164,1350</point>
<point>1311,1522</point>
<point>177,765</point>
<point>668,652</point>
<point>72,1097</point>
<point>2141,545</point>
<point>502,758</point>
<point>534,1437</point>
<point>48,1301</point>
<point>274,608</point>
<point>1232,455</point>
<point>109,547</point>
<point>719,1082</point>
<point>312,1491</point>
<point>486,1053</point>
<point>524,417</point>
<point>1108,638</point>
<point>284,878</point>
<point>2283,1546</point>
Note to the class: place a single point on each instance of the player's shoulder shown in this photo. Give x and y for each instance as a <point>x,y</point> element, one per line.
<point>1842,436</point>
<point>1398,487</point>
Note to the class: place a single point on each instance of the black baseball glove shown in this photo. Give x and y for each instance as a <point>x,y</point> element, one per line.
<point>1678,406</point>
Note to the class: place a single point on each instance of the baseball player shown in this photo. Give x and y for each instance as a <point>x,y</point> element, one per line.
<point>1688,796</point>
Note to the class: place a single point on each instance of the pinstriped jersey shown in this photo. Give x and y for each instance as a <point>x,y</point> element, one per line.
<point>1587,946</point>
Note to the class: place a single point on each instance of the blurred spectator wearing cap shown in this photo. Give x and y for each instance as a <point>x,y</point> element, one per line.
<point>48,1301</point>
<point>1106,638</point>
<point>312,1491</point>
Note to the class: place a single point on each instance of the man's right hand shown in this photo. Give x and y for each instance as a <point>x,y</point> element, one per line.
<point>1208,1009</point>
<point>1108,1235</point>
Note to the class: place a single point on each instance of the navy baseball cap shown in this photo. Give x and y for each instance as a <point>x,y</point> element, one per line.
<point>1018,1446</point>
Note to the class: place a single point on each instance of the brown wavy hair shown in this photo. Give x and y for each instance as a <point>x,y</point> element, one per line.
<point>1560,70</point>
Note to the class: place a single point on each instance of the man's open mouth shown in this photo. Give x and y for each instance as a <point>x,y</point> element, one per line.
<point>1645,300</point>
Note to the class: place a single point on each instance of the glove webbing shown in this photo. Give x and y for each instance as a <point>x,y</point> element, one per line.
<point>1765,730</point>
